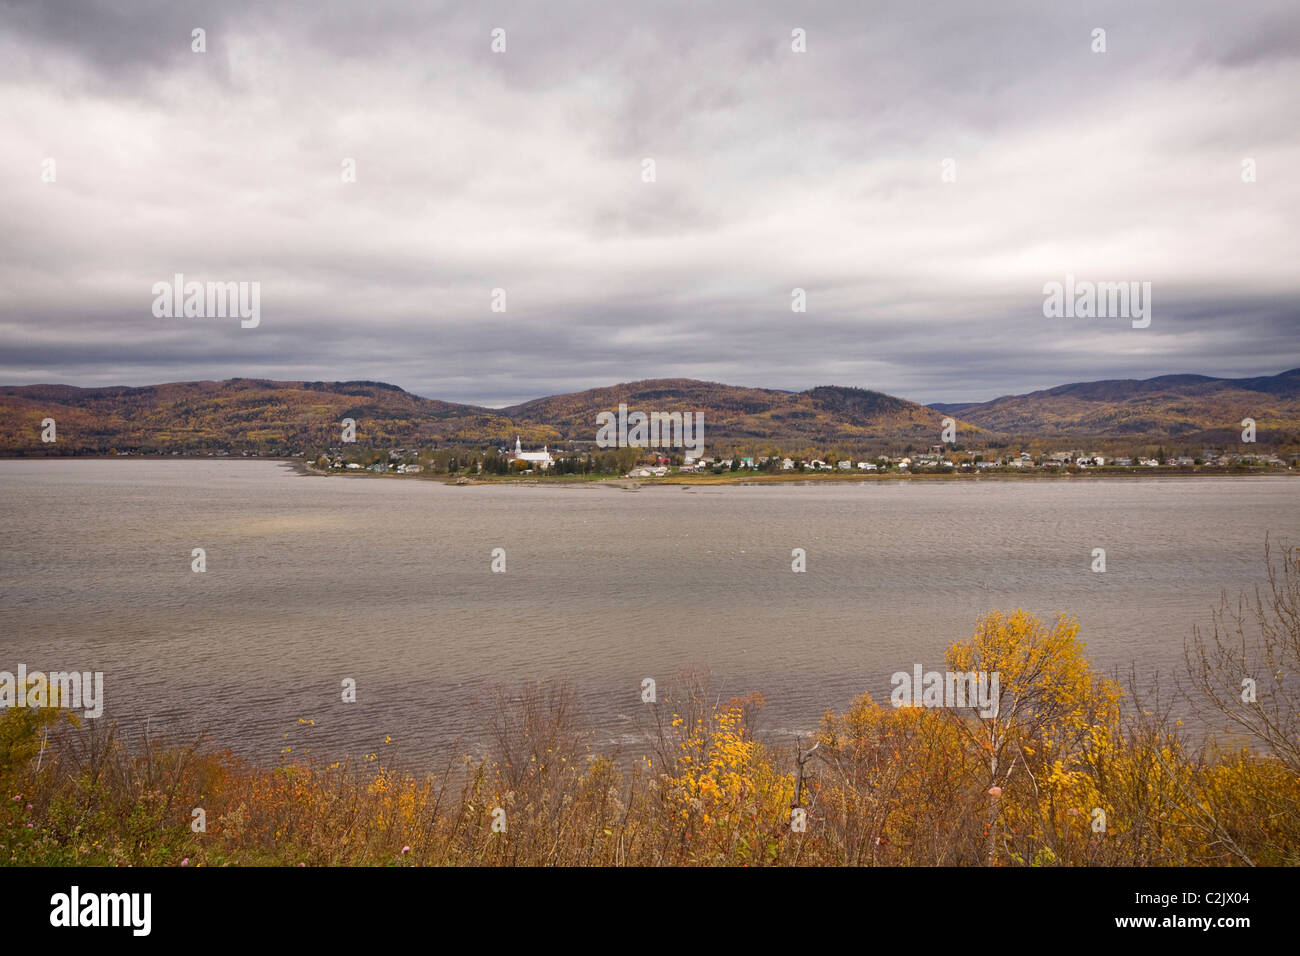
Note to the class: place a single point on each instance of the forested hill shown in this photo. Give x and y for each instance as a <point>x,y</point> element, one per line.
<point>273,417</point>
<point>1193,408</point>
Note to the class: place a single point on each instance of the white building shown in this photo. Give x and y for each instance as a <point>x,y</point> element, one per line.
<point>535,459</point>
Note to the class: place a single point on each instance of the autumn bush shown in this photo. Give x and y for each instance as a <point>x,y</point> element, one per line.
<point>1072,769</point>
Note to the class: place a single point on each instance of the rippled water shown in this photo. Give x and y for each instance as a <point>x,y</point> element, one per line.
<point>310,580</point>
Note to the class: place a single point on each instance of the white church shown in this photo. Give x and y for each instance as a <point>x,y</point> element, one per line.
<point>535,459</point>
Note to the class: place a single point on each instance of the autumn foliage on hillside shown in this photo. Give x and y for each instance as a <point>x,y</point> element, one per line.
<point>235,415</point>
<point>286,417</point>
<point>1193,409</point>
<point>826,415</point>
<point>273,417</point>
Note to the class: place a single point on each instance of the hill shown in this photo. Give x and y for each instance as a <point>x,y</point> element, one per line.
<point>271,417</point>
<point>1190,409</point>
<point>822,417</point>
<point>285,417</point>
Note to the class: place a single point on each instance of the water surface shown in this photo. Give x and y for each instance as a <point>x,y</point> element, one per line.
<point>310,580</point>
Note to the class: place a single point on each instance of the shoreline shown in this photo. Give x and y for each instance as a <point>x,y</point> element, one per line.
<point>304,468</point>
<point>734,478</point>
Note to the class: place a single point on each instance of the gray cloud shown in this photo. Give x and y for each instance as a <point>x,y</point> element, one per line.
<point>522,170</point>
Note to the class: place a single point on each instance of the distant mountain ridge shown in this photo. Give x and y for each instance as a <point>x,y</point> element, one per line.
<point>236,414</point>
<point>1188,407</point>
<point>278,417</point>
<point>824,416</point>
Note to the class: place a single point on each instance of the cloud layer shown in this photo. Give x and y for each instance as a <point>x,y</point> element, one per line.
<point>522,170</point>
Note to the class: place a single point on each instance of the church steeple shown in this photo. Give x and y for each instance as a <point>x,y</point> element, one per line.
<point>518,450</point>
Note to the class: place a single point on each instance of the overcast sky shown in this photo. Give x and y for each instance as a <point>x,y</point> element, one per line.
<point>774,170</point>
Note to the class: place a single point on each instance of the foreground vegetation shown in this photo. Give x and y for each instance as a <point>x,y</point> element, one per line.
<point>1073,770</point>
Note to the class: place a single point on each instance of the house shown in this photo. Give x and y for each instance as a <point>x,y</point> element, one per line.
<point>1148,463</point>
<point>1123,462</point>
<point>353,466</point>
<point>787,464</point>
<point>535,459</point>
<point>379,468</point>
<point>409,469</point>
<point>1183,462</point>
<point>867,465</point>
<point>844,465</point>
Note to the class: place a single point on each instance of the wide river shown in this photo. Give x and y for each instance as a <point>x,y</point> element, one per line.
<point>312,580</point>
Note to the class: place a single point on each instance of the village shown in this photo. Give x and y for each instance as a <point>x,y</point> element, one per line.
<point>650,464</point>
<point>938,460</point>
